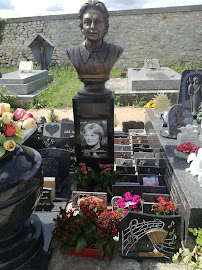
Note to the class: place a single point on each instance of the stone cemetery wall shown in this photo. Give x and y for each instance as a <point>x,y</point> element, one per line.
<point>171,34</point>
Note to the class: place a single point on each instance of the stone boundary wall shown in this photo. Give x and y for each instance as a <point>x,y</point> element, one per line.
<point>173,35</point>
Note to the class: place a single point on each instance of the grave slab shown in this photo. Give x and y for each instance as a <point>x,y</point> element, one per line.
<point>164,78</point>
<point>23,83</point>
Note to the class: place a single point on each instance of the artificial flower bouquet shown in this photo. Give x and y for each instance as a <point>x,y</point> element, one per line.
<point>163,207</point>
<point>13,127</point>
<point>129,203</point>
<point>151,104</point>
<point>93,226</point>
<point>187,148</point>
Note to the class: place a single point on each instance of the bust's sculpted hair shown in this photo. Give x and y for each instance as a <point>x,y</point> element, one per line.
<point>94,4</point>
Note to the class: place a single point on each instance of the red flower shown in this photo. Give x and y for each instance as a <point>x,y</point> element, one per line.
<point>160,208</point>
<point>9,130</point>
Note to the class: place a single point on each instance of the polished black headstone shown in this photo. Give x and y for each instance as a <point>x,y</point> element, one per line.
<point>99,111</point>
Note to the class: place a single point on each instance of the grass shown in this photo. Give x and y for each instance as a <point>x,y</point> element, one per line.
<point>66,84</point>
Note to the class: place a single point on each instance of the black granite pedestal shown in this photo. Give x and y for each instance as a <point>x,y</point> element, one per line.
<point>97,110</point>
<point>25,250</point>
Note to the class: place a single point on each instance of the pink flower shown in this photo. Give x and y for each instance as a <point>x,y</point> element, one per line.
<point>127,194</point>
<point>128,198</point>
<point>18,114</point>
<point>30,115</point>
<point>125,211</point>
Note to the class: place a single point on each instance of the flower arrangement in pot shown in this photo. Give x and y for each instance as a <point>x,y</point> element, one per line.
<point>163,207</point>
<point>13,127</point>
<point>94,226</point>
<point>84,177</point>
<point>184,149</point>
<point>106,177</point>
<point>129,202</point>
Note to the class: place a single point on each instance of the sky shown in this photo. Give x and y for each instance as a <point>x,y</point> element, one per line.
<point>29,8</point>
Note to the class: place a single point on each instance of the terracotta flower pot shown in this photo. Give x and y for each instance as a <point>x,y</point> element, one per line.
<point>88,252</point>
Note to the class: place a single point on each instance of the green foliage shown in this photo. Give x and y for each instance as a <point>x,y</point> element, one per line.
<point>139,102</point>
<point>180,69</point>
<point>52,117</point>
<point>2,27</point>
<point>194,258</point>
<point>64,87</point>
<point>7,96</point>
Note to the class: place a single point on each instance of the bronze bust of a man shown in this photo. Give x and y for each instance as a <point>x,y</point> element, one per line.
<point>94,58</point>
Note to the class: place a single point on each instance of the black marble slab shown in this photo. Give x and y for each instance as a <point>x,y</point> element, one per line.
<point>184,188</point>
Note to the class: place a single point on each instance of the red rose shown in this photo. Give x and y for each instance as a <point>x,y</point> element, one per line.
<point>9,130</point>
<point>160,208</point>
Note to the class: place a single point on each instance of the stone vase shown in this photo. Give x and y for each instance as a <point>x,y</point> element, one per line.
<point>20,188</point>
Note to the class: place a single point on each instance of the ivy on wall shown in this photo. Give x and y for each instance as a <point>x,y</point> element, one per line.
<point>2,27</point>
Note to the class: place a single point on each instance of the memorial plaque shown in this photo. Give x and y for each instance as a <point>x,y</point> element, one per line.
<point>132,125</point>
<point>120,188</point>
<point>125,170</point>
<point>124,162</point>
<point>152,197</point>
<point>142,141</point>
<point>45,202</point>
<point>76,195</point>
<point>162,103</point>
<point>26,66</point>
<point>143,155</point>
<point>93,137</point>
<point>49,167</point>
<point>152,63</point>
<point>123,141</point>
<point>118,147</point>
<point>128,177</point>
<point>122,154</point>
<point>185,98</point>
<point>59,130</point>
<point>138,235</point>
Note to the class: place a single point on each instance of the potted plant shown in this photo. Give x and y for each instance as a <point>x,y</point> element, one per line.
<point>84,177</point>
<point>191,259</point>
<point>184,149</point>
<point>92,227</point>
<point>163,207</point>
<point>129,202</point>
<point>106,177</point>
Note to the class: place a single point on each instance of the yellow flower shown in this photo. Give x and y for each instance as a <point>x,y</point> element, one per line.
<point>4,107</point>
<point>20,133</point>
<point>18,126</point>
<point>9,145</point>
<point>150,104</point>
<point>28,123</point>
<point>6,118</point>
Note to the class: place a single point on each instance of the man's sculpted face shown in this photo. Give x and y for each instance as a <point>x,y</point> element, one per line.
<point>93,25</point>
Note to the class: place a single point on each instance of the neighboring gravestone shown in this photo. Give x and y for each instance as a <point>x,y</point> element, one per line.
<point>190,91</point>
<point>164,78</point>
<point>178,116</point>
<point>25,83</point>
<point>42,49</point>
<point>132,125</point>
<point>60,157</point>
